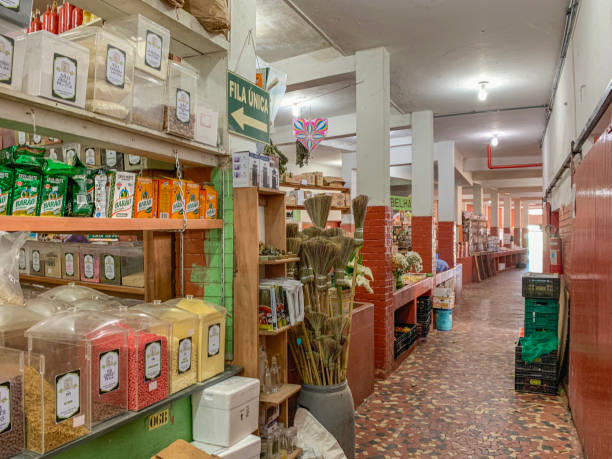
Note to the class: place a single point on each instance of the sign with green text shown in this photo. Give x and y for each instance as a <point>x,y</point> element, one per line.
<point>248,109</point>
<point>401,203</point>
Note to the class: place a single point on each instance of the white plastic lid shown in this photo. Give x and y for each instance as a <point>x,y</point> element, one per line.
<point>14,317</point>
<point>75,326</point>
<point>72,292</point>
<point>141,321</point>
<point>228,394</point>
<point>46,307</point>
<point>167,312</point>
<point>101,305</point>
<point>196,305</point>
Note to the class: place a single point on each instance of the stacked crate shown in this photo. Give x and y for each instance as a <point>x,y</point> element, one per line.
<point>424,307</point>
<point>541,292</point>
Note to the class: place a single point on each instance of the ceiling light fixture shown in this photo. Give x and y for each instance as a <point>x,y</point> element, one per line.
<point>482,93</point>
<point>295,110</point>
<point>494,141</point>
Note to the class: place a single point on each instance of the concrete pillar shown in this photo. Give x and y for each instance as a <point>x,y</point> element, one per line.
<point>507,219</point>
<point>525,222</point>
<point>373,101</point>
<point>447,204</point>
<point>423,188</point>
<point>458,217</point>
<point>517,223</point>
<point>494,212</point>
<point>477,194</point>
<point>373,179</point>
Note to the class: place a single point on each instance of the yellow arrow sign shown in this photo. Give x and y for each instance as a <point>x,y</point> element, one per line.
<point>243,119</point>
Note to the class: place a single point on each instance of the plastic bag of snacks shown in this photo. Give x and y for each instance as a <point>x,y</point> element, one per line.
<point>10,290</point>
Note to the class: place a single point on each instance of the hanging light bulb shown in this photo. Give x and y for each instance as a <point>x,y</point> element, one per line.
<point>482,93</point>
<point>494,141</point>
<point>295,110</point>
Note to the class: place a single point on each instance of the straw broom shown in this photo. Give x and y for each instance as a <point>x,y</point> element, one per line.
<point>320,253</point>
<point>343,256</point>
<point>312,231</point>
<point>360,206</point>
<point>332,232</point>
<point>318,208</point>
<point>315,321</point>
<point>292,229</point>
<point>350,318</point>
<point>293,246</point>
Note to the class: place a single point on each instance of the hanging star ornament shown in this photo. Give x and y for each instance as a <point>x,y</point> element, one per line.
<point>310,132</point>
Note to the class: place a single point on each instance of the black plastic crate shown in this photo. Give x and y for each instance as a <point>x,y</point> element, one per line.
<point>535,384</point>
<point>423,317</point>
<point>403,340</point>
<point>550,358</point>
<point>544,373</point>
<point>423,329</point>
<point>424,304</point>
<point>537,285</point>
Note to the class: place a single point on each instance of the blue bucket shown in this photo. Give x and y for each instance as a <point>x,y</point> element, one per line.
<point>444,319</point>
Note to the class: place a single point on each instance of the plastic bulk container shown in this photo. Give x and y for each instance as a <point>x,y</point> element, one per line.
<point>226,412</point>
<point>46,307</point>
<point>17,12</point>
<point>111,71</point>
<point>101,305</point>
<point>110,265</point>
<point>183,369</point>
<point>70,261</point>
<point>55,68</point>
<point>12,419</point>
<point>149,100</point>
<point>132,265</point>
<point>52,254</point>
<point>83,374</point>
<point>72,292</point>
<point>14,321</point>
<point>152,43</point>
<point>182,88</point>
<point>148,358</point>
<point>12,55</point>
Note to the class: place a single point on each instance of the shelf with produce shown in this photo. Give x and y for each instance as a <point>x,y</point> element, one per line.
<point>72,124</point>
<point>280,261</point>
<point>298,186</point>
<point>341,209</point>
<point>278,331</point>
<point>188,36</point>
<point>101,225</point>
<point>116,422</point>
<point>113,289</point>
<point>284,393</point>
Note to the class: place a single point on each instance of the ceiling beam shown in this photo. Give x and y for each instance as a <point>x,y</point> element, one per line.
<point>317,68</point>
<point>512,183</point>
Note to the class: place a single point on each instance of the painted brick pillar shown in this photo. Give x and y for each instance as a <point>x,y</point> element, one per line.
<point>377,255</point>
<point>447,243</point>
<point>517,237</point>
<point>423,241</point>
<point>493,231</point>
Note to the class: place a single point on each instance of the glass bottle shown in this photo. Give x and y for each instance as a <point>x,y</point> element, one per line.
<point>263,361</point>
<point>275,375</point>
<point>267,380</point>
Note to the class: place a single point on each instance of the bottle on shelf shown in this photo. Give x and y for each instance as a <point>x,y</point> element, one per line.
<point>267,386</point>
<point>77,18</point>
<point>275,371</point>
<point>54,18</point>
<point>65,16</point>
<point>36,22</point>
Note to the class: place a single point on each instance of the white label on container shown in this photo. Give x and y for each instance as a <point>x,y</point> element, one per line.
<point>184,355</point>
<point>5,407</point>
<point>69,261</point>
<point>36,138</point>
<point>153,50</point>
<point>22,259</point>
<point>183,106</point>
<point>36,261</point>
<point>21,137</point>
<point>214,339</point>
<point>67,395</point>
<point>111,158</point>
<point>90,157</point>
<point>52,153</point>
<point>152,386</point>
<point>109,267</point>
<point>6,59</point>
<point>11,4</point>
<point>78,421</point>
<point>88,266</point>
<point>152,360</point>
<point>115,66</point>
<point>69,156</point>
<point>64,77</point>
<point>109,371</point>
<point>134,160</point>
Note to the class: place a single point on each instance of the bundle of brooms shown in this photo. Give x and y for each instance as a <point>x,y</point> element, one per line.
<point>320,344</point>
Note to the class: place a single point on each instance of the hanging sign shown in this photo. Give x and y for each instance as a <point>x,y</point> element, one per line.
<point>248,109</point>
<point>401,203</point>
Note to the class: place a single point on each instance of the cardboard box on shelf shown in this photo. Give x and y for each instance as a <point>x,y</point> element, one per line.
<point>265,174</point>
<point>308,178</point>
<point>337,182</point>
<point>290,177</point>
<point>337,200</point>
<point>290,199</point>
<point>181,449</point>
<point>274,172</point>
<point>319,180</point>
<point>246,169</point>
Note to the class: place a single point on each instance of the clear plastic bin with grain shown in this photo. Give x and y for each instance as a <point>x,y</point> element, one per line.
<point>12,420</point>
<point>181,98</point>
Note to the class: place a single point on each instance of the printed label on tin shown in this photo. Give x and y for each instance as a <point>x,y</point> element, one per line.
<point>111,158</point>
<point>214,339</point>
<point>22,259</point>
<point>153,50</point>
<point>90,157</point>
<point>152,360</point>
<point>64,77</point>
<point>184,355</point>
<point>109,371</point>
<point>69,257</point>
<point>115,66</point>
<point>5,407</point>
<point>133,160</point>
<point>11,4</point>
<point>67,395</point>
<point>109,267</point>
<point>36,261</point>
<point>183,106</point>
<point>88,265</point>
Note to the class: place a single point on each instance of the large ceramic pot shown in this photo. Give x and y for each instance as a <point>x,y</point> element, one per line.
<point>333,407</point>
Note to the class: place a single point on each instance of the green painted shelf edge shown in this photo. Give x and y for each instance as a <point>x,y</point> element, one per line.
<point>115,423</point>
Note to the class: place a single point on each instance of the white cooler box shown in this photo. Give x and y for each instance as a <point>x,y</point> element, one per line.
<point>249,448</point>
<point>226,412</point>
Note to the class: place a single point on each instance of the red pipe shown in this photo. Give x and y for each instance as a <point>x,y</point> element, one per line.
<point>508,166</point>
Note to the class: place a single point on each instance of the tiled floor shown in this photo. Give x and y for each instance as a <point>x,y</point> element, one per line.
<point>454,396</point>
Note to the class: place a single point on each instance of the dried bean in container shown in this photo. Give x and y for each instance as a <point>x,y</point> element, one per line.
<point>183,357</point>
<point>173,125</point>
<point>12,435</point>
<point>109,389</point>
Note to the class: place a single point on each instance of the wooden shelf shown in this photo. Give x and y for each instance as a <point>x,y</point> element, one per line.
<point>295,454</point>
<point>270,192</point>
<point>279,331</point>
<point>122,289</point>
<point>281,261</point>
<point>72,124</point>
<point>341,209</point>
<point>188,36</point>
<point>297,186</point>
<point>101,225</point>
<point>286,391</point>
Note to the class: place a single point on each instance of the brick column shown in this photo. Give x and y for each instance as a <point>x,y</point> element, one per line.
<point>447,243</point>
<point>517,237</point>
<point>493,231</point>
<point>423,242</point>
<point>377,255</point>
<point>507,231</point>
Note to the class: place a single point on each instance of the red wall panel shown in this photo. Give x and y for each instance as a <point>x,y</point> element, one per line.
<point>590,273</point>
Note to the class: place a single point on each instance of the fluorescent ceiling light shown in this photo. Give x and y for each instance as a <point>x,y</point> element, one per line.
<point>494,141</point>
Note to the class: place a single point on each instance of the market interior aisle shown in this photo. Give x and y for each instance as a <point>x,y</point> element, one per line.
<point>454,396</point>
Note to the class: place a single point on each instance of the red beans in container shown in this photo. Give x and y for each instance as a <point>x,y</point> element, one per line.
<point>147,357</point>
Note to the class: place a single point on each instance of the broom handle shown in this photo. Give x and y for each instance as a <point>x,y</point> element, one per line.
<point>350,320</point>
<point>307,340</point>
<point>298,361</point>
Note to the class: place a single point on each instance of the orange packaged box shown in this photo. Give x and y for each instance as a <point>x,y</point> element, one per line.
<point>178,207</point>
<point>164,197</point>
<point>192,199</point>
<point>144,200</point>
<point>212,196</point>
<point>202,203</point>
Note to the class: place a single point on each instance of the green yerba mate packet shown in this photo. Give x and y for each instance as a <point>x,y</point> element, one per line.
<point>55,167</point>
<point>26,157</point>
<point>80,203</point>
<point>53,196</point>
<point>6,188</point>
<point>25,192</point>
